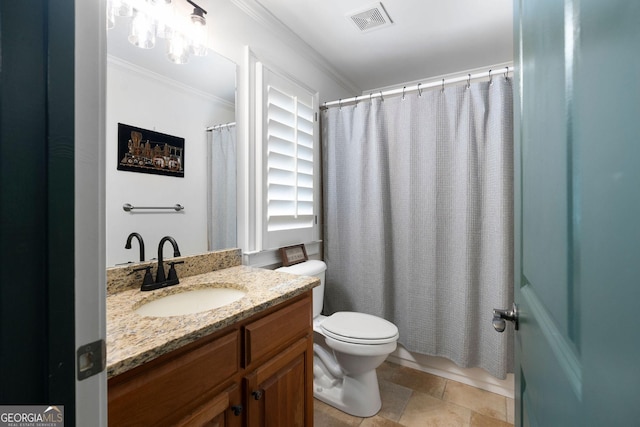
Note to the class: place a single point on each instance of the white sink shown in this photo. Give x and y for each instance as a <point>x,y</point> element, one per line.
<point>190,302</point>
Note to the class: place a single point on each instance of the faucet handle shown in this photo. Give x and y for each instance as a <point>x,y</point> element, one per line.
<point>173,274</point>
<point>139,269</point>
<point>148,278</point>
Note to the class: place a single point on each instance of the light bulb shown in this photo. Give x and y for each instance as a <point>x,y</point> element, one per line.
<point>178,49</point>
<point>164,12</point>
<point>142,30</point>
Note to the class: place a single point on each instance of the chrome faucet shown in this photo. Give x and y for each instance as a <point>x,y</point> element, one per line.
<point>160,276</point>
<point>140,242</point>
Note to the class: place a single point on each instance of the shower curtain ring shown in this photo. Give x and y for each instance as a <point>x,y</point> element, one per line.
<point>370,97</point>
<point>506,73</point>
<point>340,104</point>
<point>355,100</point>
<point>403,89</point>
<point>443,85</point>
<point>468,81</point>
<point>419,90</point>
<point>490,78</point>
<point>381,97</point>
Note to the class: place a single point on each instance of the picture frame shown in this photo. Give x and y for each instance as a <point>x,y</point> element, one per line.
<point>292,255</point>
<point>146,151</point>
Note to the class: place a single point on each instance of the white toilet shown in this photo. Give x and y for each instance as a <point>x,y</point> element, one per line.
<point>348,347</point>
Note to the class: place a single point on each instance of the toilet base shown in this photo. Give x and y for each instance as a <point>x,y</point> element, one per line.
<point>357,395</point>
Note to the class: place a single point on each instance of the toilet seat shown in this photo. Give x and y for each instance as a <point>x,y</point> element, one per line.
<point>359,328</point>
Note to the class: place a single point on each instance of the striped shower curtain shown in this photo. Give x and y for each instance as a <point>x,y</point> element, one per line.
<point>418,203</point>
<point>221,194</point>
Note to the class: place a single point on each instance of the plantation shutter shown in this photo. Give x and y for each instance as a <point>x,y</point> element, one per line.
<point>290,154</point>
<point>289,161</point>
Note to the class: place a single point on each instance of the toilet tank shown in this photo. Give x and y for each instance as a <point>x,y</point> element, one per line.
<point>313,268</point>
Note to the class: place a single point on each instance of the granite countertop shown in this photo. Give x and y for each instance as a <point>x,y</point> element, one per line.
<point>133,339</point>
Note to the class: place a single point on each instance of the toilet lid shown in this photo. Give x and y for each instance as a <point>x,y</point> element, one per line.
<point>359,328</point>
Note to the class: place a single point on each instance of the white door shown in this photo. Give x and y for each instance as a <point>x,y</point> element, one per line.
<point>89,241</point>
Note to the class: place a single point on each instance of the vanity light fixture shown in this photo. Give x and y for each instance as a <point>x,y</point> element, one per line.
<point>185,34</point>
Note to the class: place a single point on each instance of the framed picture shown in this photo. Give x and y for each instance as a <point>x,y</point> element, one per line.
<point>293,255</point>
<point>146,151</point>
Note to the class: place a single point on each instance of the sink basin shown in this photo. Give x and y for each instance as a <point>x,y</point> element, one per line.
<point>190,302</point>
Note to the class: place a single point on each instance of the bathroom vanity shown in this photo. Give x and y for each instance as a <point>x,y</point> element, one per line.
<point>248,363</point>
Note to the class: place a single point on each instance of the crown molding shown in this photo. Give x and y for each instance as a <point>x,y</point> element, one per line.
<point>264,17</point>
<point>125,65</point>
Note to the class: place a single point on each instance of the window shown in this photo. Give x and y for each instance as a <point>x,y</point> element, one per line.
<point>290,162</point>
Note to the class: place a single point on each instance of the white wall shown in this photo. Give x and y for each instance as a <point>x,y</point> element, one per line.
<point>143,99</point>
<point>236,24</point>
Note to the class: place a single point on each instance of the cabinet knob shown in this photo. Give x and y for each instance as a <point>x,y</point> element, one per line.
<point>257,395</point>
<point>237,409</point>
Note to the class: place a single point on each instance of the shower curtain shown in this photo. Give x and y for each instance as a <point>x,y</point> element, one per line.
<point>418,200</point>
<point>221,197</point>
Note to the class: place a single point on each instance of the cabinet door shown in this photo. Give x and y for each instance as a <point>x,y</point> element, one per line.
<point>224,410</point>
<point>280,391</point>
<point>166,389</point>
<point>275,331</point>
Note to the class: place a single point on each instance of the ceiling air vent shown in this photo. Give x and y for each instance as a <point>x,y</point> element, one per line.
<point>371,18</point>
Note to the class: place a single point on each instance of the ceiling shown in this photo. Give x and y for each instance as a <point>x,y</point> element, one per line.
<point>428,38</point>
<point>212,74</point>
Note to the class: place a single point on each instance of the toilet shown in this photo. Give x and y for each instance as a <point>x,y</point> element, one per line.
<point>347,347</point>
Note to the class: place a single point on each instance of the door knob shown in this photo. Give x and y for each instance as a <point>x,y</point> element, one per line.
<point>500,318</point>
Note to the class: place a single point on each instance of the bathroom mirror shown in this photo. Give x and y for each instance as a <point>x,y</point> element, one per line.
<point>145,90</point>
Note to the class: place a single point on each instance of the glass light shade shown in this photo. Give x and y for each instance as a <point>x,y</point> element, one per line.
<point>111,15</point>
<point>198,32</point>
<point>164,13</point>
<point>178,49</point>
<point>143,33</point>
<point>122,8</point>
<point>117,8</point>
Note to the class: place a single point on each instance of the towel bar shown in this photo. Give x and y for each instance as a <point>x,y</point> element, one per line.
<point>127,207</point>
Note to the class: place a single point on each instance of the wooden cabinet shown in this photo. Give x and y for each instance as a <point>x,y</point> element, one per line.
<point>217,412</point>
<point>264,336</point>
<point>258,372</point>
<point>278,392</point>
<point>159,392</point>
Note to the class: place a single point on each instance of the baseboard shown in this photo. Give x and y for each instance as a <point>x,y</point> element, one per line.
<point>475,377</point>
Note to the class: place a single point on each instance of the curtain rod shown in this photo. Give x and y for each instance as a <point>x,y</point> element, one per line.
<point>419,87</point>
<point>224,125</point>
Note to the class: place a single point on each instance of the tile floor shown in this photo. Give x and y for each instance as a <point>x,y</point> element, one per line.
<point>412,398</point>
